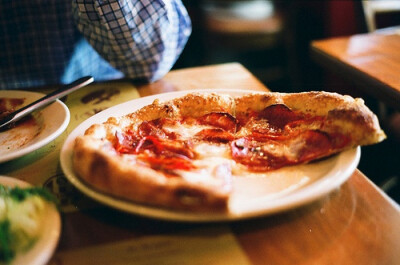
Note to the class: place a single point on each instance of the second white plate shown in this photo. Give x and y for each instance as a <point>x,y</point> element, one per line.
<point>53,121</point>
<point>44,247</point>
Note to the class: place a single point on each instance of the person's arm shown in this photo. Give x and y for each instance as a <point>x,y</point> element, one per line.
<point>141,38</point>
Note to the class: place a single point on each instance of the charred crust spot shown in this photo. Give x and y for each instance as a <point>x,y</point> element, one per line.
<point>266,98</point>
<point>190,197</point>
<point>168,109</point>
<point>99,168</point>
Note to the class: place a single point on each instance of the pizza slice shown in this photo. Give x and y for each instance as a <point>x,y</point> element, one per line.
<point>184,153</point>
<point>278,130</point>
<point>157,155</point>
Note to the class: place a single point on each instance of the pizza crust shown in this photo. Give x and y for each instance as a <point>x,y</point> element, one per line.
<point>98,164</point>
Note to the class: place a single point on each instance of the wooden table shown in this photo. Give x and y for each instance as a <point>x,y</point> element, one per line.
<point>372,61</point>
<point>356,224</point>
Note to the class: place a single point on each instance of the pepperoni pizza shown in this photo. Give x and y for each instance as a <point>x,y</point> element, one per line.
<point>184,153</point>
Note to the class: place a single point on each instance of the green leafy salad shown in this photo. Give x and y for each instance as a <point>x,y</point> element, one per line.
<point>21,212</point>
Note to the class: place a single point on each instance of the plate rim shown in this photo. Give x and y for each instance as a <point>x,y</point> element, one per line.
<point>48,240</point>
<point>351,157</point>
<point>47,139</point>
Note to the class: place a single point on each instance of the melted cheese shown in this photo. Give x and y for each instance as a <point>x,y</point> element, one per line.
<point>281,150</point>
<point>211,171</point>
<point>213,158</point>
<point>185,131</point>
<point>213,163</point>
<point>205,149</point>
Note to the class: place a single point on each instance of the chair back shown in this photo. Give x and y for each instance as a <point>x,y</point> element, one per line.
<point>372,8</point>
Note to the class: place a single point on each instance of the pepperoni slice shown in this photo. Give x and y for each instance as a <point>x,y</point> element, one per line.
<point>216,135</point>
<point>220,120</point>
<point>168,164</point>
<point>124,143</point>
<point>161,154</point>
<point>169,148</point>
<point>127,144</point>
<point>251,154</point>
<point>267,154</point>
<point>316,144</point>
<point>154,128</point>
<point>279,115</point>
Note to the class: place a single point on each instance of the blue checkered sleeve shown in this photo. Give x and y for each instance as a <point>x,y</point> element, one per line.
<point>142,39</point>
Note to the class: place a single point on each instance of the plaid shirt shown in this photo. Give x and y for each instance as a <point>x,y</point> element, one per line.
<point>46,42</point>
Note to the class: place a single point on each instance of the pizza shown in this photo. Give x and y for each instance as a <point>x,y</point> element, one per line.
<point>184,153</point>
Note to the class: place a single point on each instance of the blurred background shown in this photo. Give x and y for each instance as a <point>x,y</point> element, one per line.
<point>272,39</point>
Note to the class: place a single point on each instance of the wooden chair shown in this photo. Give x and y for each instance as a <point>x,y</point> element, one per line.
<point>373,8</point>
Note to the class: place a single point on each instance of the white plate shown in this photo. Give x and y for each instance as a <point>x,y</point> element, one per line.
<point>51,122</point>
<point>253,196</point>
<point>44,248</point>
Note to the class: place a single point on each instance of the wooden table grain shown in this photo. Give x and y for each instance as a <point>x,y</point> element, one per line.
<point>356,224</point>
<point>372,61</point>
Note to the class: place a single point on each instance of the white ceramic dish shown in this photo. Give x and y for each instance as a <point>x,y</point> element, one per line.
<point>52,121</point>
<point>253,196</point>
<point>44,248</point>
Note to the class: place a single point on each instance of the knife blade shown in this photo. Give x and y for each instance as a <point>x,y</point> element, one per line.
<point>44,101</point>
